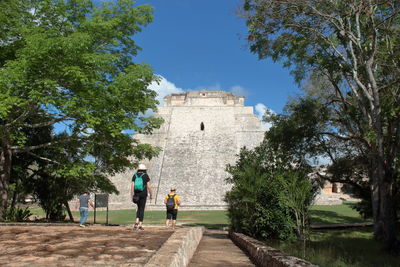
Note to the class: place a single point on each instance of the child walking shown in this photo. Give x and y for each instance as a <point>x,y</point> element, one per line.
<point>172,202</point>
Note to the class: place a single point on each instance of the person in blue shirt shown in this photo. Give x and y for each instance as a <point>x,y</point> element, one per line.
<point>84,201</point>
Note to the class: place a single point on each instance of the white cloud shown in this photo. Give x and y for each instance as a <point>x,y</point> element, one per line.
<point>321,160</point>
<point>214,87</point>
<point>238,90</point>
<point>88,132</point>
<point>260,110</point>
<point>163,88</point>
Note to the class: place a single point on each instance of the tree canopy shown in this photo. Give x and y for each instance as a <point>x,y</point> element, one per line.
<point>349,52</point>
<point>69,65</point>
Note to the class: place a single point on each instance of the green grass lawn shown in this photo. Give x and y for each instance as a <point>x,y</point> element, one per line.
<point>336,214</point>
<point>336,248</point>
<point>210,218</point>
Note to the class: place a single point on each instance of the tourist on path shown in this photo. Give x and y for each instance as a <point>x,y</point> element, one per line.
<point>140,189</point>
<point>172,202</point>
<point>84,201</point>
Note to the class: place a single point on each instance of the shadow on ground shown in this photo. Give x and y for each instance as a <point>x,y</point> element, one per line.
<point>208,225</point>
<point>330,217</point>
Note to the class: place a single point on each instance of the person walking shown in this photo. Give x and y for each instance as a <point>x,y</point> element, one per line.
<point>140,189</point>
<point>84,201</point>
<point>172,202</point>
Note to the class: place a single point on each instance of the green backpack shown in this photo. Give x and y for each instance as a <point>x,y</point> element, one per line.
<point>139,184</point>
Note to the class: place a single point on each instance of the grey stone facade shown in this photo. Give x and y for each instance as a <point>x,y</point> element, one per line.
<point>203,132</point>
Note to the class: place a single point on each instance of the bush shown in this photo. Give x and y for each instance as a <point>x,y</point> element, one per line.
<point>17,214</point>
<point>262,202</point>
<point>259,220</point>
<point>253,206</point>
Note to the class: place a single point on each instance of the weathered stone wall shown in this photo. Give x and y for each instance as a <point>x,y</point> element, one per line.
<point>178,249</point>
<point>265,256</point>
<point>192,159</point>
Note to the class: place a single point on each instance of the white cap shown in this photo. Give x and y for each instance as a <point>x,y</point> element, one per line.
<point>142,167</point>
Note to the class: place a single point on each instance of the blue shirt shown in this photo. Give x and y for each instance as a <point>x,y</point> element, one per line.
<point>84,201</point>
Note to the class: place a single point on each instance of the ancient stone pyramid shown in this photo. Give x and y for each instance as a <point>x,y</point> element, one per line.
<point>203,132</point>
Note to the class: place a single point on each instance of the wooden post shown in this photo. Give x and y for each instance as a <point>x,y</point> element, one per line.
<point>94,215</point>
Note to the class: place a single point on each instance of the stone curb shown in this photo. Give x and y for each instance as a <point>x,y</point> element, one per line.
<point>70,224</point>
<point>178,249</point>
<point>37,224</point>
<point>263,255</point>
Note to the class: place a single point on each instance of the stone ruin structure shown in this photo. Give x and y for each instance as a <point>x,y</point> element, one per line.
<point>202,132</point>
<point>332,193</point>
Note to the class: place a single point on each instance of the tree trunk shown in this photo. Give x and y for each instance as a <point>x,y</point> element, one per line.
<point>382,193</point>
<point>376,200</point>
<point>14,198</point>
<point>71,218</point>
<point>5,174</point>
<point>388,216</point>
<point>383,210</point>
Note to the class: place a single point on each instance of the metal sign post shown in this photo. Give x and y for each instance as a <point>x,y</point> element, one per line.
<point>100,201</point>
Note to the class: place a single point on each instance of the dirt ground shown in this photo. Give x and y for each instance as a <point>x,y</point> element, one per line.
<point>75,246</point>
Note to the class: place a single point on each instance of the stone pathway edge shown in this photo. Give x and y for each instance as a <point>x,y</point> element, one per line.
<point>263,255</point>
<point>178,249</point>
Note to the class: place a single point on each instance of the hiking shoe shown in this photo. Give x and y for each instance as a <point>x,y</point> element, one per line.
<point>82,225</point>
<point>140,228</point>
<point>135,226</point>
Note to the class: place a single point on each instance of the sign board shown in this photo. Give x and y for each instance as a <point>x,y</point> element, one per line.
<point>101,200</point>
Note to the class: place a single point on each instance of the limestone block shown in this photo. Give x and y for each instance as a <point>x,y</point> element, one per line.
<point>202,132</point>
<point>264,255</point>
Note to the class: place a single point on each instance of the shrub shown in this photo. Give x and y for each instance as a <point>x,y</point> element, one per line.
<point>16,214</point>
<point>270,197</point>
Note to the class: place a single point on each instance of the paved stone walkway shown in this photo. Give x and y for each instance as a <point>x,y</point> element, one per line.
<point>216,249</point>
<point>48,246</point>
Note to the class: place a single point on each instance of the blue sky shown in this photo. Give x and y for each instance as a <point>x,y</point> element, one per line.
<point>200,44</point>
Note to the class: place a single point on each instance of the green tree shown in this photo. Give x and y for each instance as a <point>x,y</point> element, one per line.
<point>70,63</point>
<point>317,121</point>
<point>52,182</point>
<point>253,206</point>
<point>354,45</point>
<point>297,195</point>
<point>272,192</point>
